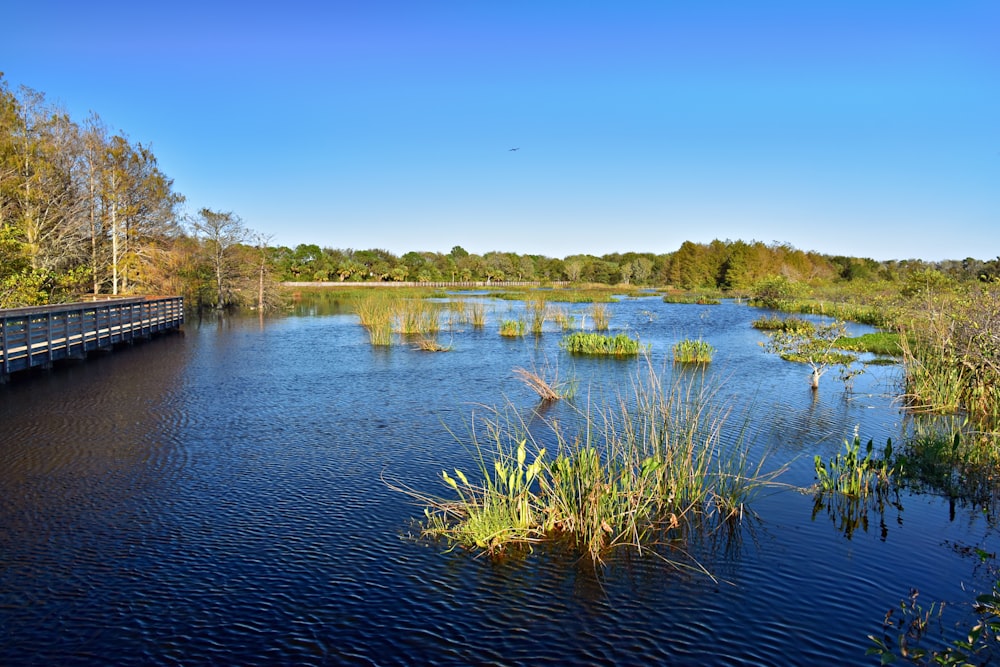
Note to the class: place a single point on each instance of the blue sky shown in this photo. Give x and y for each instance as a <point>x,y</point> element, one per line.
<point>859,128</point>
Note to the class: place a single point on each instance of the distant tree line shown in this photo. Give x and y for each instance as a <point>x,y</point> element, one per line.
<point>726,265</point>
<point>84,210</point>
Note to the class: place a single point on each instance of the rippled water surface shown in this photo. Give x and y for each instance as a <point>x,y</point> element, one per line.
<point>216,497</point>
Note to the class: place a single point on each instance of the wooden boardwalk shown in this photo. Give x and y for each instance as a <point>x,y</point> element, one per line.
<point>39,335</point>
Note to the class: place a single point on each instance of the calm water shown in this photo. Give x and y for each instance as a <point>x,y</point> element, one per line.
<point>216,498</point>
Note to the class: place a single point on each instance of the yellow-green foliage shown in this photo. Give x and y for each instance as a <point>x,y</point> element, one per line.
<point>512,328</point>
<point>619,345</point>
<point>690,351</point>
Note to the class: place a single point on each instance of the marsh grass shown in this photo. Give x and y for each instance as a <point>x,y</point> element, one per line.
<point>430,344</point>
<point>642,471</point>
<point>882,343</point>
<point>699,299</point>
<point>795,325</point>
<point>619,345</point>
<point>854,474</point>
<point>601,315</point>
<point>561,316</point>
<point>417,317</point>
<point>513,328</point>
<point>376,314</point>
<point>689,351</point>
<point>537,306</point>
<point>477,314</point>
<point>546,383</point>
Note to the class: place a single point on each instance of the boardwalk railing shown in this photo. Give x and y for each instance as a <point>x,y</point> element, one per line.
<point>39,335</point>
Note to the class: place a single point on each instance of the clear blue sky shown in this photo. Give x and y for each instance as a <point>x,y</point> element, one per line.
<point>864,128</point>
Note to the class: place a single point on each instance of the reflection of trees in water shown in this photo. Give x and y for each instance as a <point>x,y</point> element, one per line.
<point>850,513</point>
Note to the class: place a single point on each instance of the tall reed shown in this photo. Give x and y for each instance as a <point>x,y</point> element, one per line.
<point>477,314</point>
<point>601,315</point>
<point>376,314</point>
<point>536,306</point>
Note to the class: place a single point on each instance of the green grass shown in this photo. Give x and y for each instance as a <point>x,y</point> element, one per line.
<point>690,351</point>
<point>619,345</point>
<point>784,324</point>
<point>699,299</point>
<point>883,343</point>
<point>601,315</point>
<point>513,328</point>
<point>646,469</point>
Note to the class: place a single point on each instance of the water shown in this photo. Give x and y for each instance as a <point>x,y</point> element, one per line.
<point>217,497</point>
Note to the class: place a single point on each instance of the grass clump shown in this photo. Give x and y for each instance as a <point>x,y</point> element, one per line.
<point>513,328</point>
<point>644,470</point>
<point>690,351</point>
<point>477,315</point>
<point>601,315</point>
<point>619,345</point>
<point>794,325</point>
<point>537,307</point>
<point>376,314</point>
<point>851,474</point>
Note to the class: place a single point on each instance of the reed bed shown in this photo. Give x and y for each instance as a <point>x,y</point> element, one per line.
<point>415,317</point>
<point>619,345</point>
<point>647,469</point>
<point>376,314</point>
<point>601,315</point>
<point>477,315</point>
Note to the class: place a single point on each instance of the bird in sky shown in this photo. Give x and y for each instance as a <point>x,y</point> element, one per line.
<point>515,149</point>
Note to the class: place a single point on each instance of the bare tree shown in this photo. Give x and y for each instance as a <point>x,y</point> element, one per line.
<point>221,233</point>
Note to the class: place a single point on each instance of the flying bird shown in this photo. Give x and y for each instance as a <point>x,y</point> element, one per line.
<point>515,149</point>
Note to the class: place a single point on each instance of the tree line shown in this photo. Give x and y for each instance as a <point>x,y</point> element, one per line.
<point>84,210</point>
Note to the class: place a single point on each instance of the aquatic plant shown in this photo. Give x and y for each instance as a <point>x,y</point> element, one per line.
<point>477,314</point>
<point>512,328</point>
<point>619,345</point>
<point>904,633</point>
<point>854,475</point>
<point>562,317</point>
<point>601,315</point>
<point>430,344</point>
<point>646,469</point>
<point>689,351</point>
<point>787,324</point>
<point>376,314</point>
<point>546,383</point>
<point>416,316</point>
<point>537,307</point>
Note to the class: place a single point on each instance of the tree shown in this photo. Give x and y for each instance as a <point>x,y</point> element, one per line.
<point>813,346</point>
<point>221,233</point>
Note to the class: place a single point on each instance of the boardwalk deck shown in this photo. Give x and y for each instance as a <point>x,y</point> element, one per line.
<point>39,335</point>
